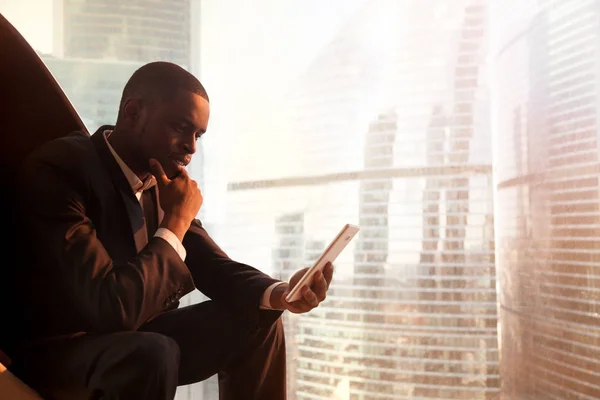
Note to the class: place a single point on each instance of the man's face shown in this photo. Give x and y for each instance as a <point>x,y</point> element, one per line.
<point>169,129</point>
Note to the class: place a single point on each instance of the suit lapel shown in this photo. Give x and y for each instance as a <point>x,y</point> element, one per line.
<point>130,202</point>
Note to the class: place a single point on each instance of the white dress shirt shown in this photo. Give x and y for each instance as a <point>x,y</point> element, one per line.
<point>138,187</point>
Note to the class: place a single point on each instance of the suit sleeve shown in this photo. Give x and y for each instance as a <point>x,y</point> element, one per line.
<point>238,286</point>
<point>103,295</point>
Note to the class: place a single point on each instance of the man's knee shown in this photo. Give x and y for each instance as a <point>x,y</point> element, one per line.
<point>154,350</point>
<point>117,365</point>
<point>139,365</point>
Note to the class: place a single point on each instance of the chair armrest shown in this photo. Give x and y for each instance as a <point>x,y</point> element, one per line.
<point>13,388</point>
<point>4,359</point>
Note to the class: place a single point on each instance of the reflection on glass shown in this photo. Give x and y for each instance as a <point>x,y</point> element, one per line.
<point>548,200</point>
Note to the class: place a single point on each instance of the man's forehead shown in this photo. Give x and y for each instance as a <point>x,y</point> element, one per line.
<point>184,99</point>
<point>190,106</point>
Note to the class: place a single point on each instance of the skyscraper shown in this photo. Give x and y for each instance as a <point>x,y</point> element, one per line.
<point>456,271</point>
<point>374,197</point>
<point>127,30</point>
<point>288,257</point>
<point>548,203</point>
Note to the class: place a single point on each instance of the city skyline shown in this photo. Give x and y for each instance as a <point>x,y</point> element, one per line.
<point>387,322</point>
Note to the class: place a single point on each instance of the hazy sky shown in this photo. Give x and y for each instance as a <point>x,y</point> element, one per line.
<point>33,18</point>
<point>253,49</point>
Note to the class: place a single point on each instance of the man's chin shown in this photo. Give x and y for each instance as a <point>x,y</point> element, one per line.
<point>171,169</point>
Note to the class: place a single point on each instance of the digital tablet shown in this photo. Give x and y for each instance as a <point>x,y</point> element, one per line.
<point>329,255</point>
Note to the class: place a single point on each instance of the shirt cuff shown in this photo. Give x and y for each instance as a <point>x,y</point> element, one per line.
<point>173,240</point>
<point>265,301</point>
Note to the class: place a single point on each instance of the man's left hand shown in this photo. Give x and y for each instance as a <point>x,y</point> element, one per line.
<point>312,295</point>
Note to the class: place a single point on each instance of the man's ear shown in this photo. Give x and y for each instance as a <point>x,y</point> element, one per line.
<point>132,109</point>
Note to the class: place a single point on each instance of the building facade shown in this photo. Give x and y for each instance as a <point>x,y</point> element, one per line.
<point>546,81</point>
<point>124,30</point>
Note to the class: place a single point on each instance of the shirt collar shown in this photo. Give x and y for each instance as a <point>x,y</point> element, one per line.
<point>137,185</point>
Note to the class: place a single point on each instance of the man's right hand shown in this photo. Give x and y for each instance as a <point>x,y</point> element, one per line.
<point>180,198</point>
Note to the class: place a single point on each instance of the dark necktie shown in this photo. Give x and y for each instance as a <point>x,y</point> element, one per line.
<point>150,211</point>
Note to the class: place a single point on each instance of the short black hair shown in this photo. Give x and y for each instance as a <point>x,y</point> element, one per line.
<point>160,78</point>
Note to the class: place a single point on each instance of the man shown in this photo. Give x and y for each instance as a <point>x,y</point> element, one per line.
<point>112,245</point>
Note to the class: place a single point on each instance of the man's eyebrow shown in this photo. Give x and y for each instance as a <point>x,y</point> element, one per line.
<point>189,122</point>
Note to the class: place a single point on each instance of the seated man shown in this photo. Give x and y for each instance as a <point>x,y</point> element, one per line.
<point>111,244</point>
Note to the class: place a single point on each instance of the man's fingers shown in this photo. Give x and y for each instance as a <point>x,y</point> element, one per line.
<point>297,307</point>
<point>313,296</point>
<point>328,273</point>
<point>319,286</point>
<point>157,170</point>
<point>310,297</point>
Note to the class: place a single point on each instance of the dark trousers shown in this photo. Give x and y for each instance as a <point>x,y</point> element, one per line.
<point>178,347</point>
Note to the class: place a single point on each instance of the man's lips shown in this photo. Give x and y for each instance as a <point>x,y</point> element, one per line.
<point>182,162</point>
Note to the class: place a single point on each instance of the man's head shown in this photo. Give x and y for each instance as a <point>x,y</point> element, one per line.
<point>163,111</point>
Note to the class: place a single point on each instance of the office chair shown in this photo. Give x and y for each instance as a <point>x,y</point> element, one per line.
<point>33,110</point>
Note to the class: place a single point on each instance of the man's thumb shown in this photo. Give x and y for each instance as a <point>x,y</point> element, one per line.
<point>157,170</point>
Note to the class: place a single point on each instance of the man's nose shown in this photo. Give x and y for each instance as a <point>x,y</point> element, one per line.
<point>190,146</point>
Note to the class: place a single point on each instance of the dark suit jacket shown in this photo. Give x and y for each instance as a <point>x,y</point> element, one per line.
<point>84,272</point>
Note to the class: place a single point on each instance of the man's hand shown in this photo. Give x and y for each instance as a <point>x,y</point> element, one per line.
<point>180,198</point>
<point>311,296</point>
